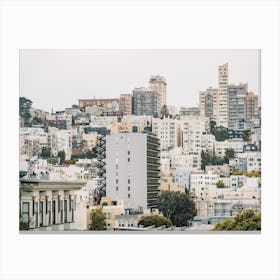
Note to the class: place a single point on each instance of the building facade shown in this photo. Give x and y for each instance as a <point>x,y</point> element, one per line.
<point>47,203</point>
<point>236,104</point>
<point>132,169</point>
<point>158,84</point>
<point>145,101</point>
<point>126,104</point>
<point>222,100</point>
<point>168,131</point>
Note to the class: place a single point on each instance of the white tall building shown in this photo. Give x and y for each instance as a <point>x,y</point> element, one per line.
<point>168,131</point>
<point>192,129</point>
<point>132,169</point>
<point>222,100</point>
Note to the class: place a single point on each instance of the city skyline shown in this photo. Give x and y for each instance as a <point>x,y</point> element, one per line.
<point>65,76</point>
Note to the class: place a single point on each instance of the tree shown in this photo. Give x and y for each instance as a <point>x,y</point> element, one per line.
<point>52,160</point>
<point>155,220</point>
<point>24,110</point>
<point>164,112</point>
<point>36,120</point>
<point>155,115</point>
<point>46,152</point>
<point>220,184</point>
<point>61,155</point>
<point>229,153</point>
<point>208,158</point>
<point>246,220</point>
<point>176,206</point>
<point>97,219</point>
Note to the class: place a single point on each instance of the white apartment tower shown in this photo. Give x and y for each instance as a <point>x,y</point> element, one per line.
<point>192,129</point>
<point>222,112</point>
<point>168,131</point>
<point>132,169</point>
<point>158,83</point>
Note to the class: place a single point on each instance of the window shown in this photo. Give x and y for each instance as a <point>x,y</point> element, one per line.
<point>128,188</point>
<point>25,212</point>
<point>41,213</point>
<point>128,181</point>
<point>117,181</point>
<point>65,211</point>
<point>117,188</point>
<point>128,195</point>
<point>128,159</point>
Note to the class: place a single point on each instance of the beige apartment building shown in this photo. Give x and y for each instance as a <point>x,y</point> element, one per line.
<point>158,84</point>
<point>126,104</point>
<point>251,101</point>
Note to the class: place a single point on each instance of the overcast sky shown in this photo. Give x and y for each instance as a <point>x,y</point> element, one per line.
<point>58,78</point>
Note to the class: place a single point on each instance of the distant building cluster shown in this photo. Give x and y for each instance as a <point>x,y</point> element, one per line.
<point>119,154</point>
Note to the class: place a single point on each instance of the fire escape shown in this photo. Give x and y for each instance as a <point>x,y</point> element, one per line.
<point>101,168</point>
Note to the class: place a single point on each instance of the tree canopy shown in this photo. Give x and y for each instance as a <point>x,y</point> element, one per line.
<point>220,184</point>
<point>25,105</point>
<point>246,220</point>
<point>176,206</point>
<point>97,219</point>
<point>155,220</point>
<point>61,155</point>
<point>164,112</point>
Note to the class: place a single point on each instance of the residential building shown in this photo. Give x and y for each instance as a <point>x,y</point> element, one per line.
<point>168,131</point>
<point>145,101</point>
<point>235,144</point>
<point>167,183</point>
<point>118,128</point>
<point>202,180</point>
<point>99,102</point>
<point>158,84</point>
<point>138,122</point>
<point>192,129</point>
<point>252,107</point>
<point>126,104</point>
<point>222,100</point>
<point>110,208</point>
<point>47,203</point>
<point>182,177</point>
<point>208,105</point>
<point>236,104</point>
<point>184,159</point>
<point>132,169</point>
<point>189,111</point>
<point>208,142</point>
<point>60,140</point>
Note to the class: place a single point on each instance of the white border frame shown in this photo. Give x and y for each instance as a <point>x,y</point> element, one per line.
<point>156,24</point>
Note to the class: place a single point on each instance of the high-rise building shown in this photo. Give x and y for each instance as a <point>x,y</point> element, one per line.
<point>126,104</point>
<point>158,84</point>
<point>251,106</point>
<point>222,100</point>
<point>145,101</point>
<point>236,104</point>
<point>168,131</point>
<point>208,103</point>
<point>133,169</point>
<point>192,129</point>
